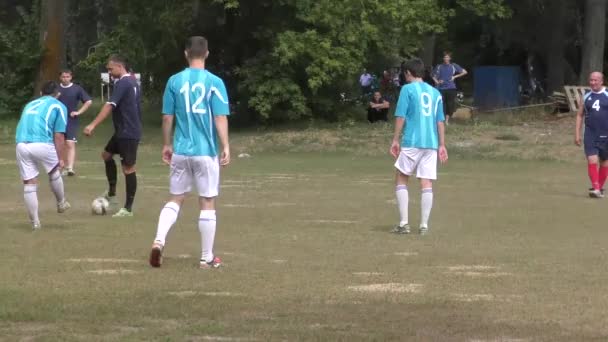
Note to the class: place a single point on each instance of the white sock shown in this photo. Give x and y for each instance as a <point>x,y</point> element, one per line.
<point>206,225</point>
<point>166,220</point>
<point>402,203</point>
<point>31,201</point>
<point>426,203</point>
<point>56,183</point>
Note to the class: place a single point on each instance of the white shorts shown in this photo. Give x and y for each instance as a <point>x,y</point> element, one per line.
<point>203,172</point>
<point>30,155</point>
<point>421,160</point>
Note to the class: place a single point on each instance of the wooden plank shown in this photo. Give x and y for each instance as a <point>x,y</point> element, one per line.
<point>574,93</point>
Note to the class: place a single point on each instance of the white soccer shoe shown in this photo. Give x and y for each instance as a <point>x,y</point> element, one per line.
<point>62,207</point>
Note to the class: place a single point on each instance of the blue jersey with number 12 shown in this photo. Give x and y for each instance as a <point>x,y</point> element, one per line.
<point>422,107</point>
<point>195,96</point>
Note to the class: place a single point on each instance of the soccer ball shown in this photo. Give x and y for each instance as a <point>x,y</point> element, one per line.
<point>100,206</point>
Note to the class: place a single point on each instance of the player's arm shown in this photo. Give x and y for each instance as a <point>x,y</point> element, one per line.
<point>167,152</point>
<point>168,111</point>
<point>84,108</point>
<point>101,116</point>
<point>221,125</point>
<point>59,134</point>
<point>385,104</point>
<point>400,111</point>
<point>579,121</point>
<point>460,71</point>
<point>442,151</point>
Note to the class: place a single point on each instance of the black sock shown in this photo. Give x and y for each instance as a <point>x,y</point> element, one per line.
<point>131,187</point>
<point>111,175</point>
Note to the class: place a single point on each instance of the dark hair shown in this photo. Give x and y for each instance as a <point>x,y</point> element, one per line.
<point>415,67</point>
<point>49,88</point>
<point>447,53</point>
<point>65,71</point>
<point>119,60</point>
<point>196,46</point>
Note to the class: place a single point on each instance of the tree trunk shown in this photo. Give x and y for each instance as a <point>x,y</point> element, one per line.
<point>556,11</point>
<point>593,38</point>
<point>52,39</point>
<point>427,52</point>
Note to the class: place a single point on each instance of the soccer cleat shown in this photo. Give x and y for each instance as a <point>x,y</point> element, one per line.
<point>71,172</point>
<point>111,199</point>
<point>36,226</point>
<point>215,263</point>
<point>405,229</point>
<point>156,255</point>
<point>593,193</point>
<point>123,213</point>
<point>63,206</point>
<point>424,230</point>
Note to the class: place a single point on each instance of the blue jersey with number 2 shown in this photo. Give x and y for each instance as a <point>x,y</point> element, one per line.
<point>40,120</point>
<point>422,107</point>
<point>195,96</point>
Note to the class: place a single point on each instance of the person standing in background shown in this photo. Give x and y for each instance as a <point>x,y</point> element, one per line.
<point>444,76</point>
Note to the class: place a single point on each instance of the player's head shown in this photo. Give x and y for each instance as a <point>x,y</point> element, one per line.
<point>117,66</point>
<point>377,95</point>
<point>414,68</point>
<point>447,57</point>
<point>596,81</point>
<point>65,77</point>
<point>49,88</point>
<point>196,48</point>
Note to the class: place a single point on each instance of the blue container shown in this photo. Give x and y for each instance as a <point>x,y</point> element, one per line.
<point>496,87</point>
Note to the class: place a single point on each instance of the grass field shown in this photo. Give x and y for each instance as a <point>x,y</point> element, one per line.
<point>516,252</point>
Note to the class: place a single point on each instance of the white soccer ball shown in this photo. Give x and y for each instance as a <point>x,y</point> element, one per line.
<point>100,206</point>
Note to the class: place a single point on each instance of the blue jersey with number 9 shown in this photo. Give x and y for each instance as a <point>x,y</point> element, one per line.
<point>195,96</point>
<point>422,107</point>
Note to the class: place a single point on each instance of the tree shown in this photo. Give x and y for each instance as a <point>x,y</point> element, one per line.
<point>594,36</point>
<point>52,38</point>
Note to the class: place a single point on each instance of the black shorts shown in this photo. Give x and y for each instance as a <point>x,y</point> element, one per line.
<point>71,130</point>
<point>126,148</point>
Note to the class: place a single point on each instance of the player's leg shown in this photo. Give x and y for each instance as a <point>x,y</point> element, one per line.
<point>29,173</point>
<point>47,156</point>
<point>450,103</point>
<point>405,165</point>
<point>180,180</point>
<point>603,171</point>
<point>107,155</point>
<point>70,147</point>
<point>206,173</point>
<point>446,105</point>
<point>128,155</point>
<point>427,172</point>
<point>592,153</point>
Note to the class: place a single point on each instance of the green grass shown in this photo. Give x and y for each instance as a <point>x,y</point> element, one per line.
<point>515,253</point>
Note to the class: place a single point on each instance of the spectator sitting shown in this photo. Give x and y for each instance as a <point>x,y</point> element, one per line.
<point>378,108</point>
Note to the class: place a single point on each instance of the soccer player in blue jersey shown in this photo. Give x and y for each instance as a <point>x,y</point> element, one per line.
<point>198,103</point>
<point>40,140</point>
<point>124,105</point>
<point>420,109</point>
<point>71,95</point>
<point>593,108</point>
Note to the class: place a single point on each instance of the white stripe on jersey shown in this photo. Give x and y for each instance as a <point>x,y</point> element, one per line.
<point>48,114</point>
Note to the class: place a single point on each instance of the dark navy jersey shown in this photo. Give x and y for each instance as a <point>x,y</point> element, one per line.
<point>126,114</point>
<point>596,113</point>
<point>72,95</point>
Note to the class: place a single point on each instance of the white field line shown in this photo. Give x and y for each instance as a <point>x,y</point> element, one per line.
<point>388,288</point>
<point>108,260</point>
<point>113,272</point>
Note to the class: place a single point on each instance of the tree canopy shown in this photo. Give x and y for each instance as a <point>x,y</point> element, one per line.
<point>283,59</point>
